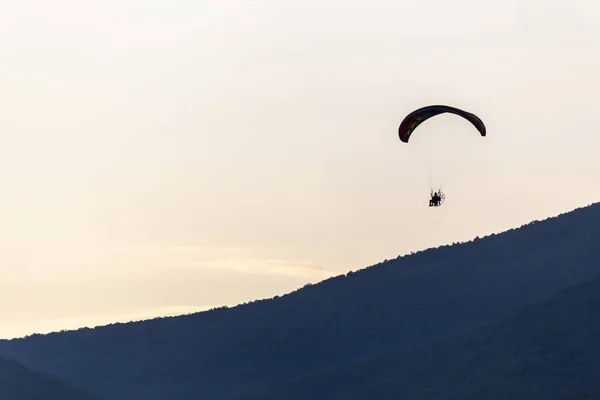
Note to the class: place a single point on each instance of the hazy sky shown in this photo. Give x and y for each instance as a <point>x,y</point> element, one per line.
<point>162,157</point>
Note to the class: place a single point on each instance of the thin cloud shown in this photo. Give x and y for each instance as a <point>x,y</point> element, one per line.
<point>241,259</point>
<point>303,269</point>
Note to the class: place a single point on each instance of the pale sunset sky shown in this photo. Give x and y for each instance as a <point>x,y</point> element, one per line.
<point>163,157</point>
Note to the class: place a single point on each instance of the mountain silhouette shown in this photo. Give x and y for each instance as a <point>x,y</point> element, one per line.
<point>548,350</point>
<point>18,382</point>
<point>400,307</point>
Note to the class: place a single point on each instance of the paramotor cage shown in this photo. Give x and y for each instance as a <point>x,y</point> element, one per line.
<point>442,198</point>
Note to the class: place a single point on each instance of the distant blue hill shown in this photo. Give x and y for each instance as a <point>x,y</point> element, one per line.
<point>400,306</point>
<point>20,383</point>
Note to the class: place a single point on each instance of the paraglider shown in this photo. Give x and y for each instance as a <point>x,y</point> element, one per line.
<point>417,117</point>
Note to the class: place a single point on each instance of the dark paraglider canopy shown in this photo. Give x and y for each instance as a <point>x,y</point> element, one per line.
<point>417,117</point>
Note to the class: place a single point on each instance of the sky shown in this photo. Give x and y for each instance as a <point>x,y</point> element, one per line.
<point>164,157</point>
